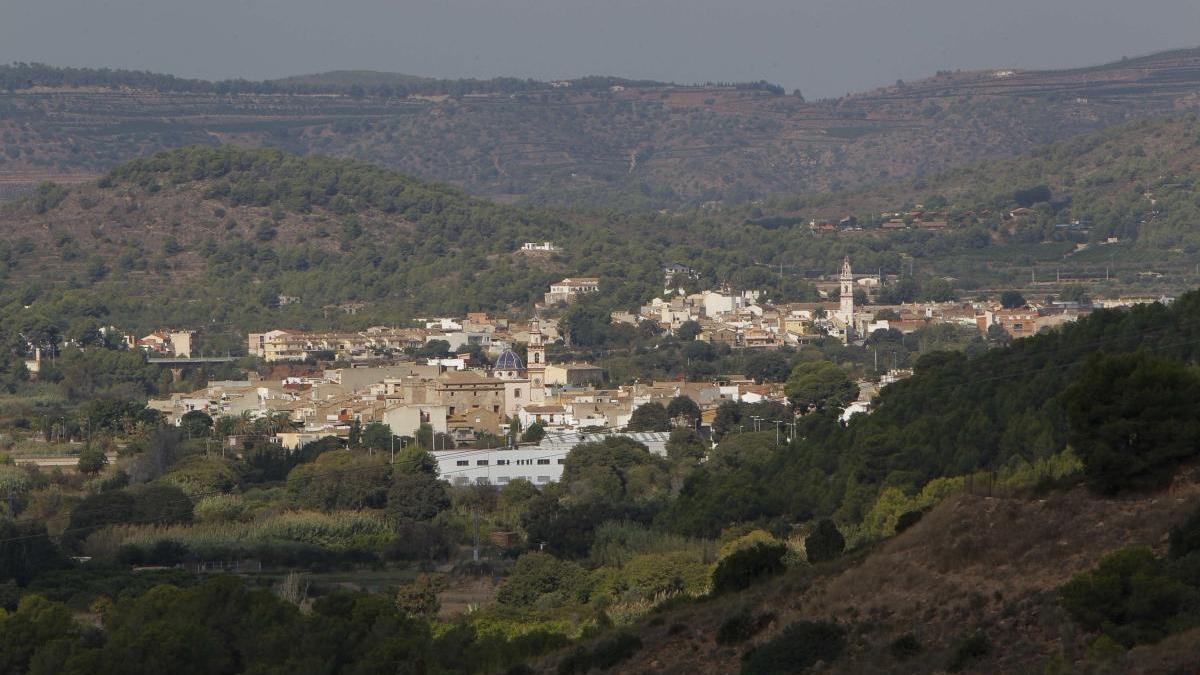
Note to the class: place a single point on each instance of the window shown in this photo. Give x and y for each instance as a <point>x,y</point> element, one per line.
<point>461,480</point>
<point>462,462</point>
<point>502,480</point>
<point>543,479</point>
<point>502,462</point>
<point>481,462</point>
<point>543,461</point>
<point>562,461</point>
<point>517,392</point>
<point>482,480</point>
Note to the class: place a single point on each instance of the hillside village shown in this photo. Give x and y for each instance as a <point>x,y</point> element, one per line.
<point>484,380</point>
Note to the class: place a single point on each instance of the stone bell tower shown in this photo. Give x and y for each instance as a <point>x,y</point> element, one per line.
<point>847,297</point>
<point>535,356</point>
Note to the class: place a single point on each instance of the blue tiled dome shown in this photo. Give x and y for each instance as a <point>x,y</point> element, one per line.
<point>509,361</point>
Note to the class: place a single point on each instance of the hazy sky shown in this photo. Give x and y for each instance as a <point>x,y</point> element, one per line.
<point>823,47</point>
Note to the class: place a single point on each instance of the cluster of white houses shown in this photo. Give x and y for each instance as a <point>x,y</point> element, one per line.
<point>456,397</point>
<point>742,320</point>
<point>464,402</point>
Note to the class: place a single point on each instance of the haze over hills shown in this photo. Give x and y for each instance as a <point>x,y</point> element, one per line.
<point>601,141</point>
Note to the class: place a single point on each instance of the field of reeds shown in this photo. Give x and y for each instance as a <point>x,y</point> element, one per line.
<point>293,537</point>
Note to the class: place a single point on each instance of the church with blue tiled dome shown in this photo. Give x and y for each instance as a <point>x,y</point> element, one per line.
<point>509,366</point>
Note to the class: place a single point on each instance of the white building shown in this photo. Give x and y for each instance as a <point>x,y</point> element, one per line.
<point>539,464</point>
<point>570,288</point>
<point>716,304</point>
<point>406,419</point>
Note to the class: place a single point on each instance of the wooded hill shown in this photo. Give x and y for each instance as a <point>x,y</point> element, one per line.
<point>600,141</point>
<point>213,236</point>
<point>1122,201</point>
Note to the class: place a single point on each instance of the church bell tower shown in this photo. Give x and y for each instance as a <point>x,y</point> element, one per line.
<point>536,362</point>
<point>847,297</point>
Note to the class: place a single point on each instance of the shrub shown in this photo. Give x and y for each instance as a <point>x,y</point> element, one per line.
<point>416,497</point>
<point>796,648</point>
<point>200,476</point>
<point>905,647</point>
<point>539,574</point>
<point>742,626</point>
<point>825,543</point>
<point>421,541</point>
<point>606,654</point>
<point>1185,538</point>
<point>1133,597</point>
<point>745,566</point>
<point>92,461</point>
<point>162,504</point>
<point>907,520</point>
<point>968,651</point>
<point>654,574</point>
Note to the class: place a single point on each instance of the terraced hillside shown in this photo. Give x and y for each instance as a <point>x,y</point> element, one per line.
<point>629,145</point>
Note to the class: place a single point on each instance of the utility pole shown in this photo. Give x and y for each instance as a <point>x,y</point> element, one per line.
<point>475,521</point>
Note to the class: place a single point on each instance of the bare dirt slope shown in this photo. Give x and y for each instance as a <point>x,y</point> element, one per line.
<point>973,564</point>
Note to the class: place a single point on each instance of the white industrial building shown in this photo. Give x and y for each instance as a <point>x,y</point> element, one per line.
<point>539,464</point>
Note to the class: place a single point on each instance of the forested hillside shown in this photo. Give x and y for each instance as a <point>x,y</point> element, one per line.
<point>600,141</point>
<point>228,231</point>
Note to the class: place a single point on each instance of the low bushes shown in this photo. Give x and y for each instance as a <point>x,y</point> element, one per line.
<point>604,655</point>
<point>968,651</point>
<point>796,648</point>
<point>742,626</point>
<point>745,566</point>
<point>538,575</point>
<point>825,543</point>
<point>905,647</point>
<point>1135,597</point>
<point>908,519</point>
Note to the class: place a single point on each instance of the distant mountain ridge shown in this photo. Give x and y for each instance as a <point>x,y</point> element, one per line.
<point>601,142</point>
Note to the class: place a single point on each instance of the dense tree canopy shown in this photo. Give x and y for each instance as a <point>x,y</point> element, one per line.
<point>1133,419</point>
<point>819,385</point>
